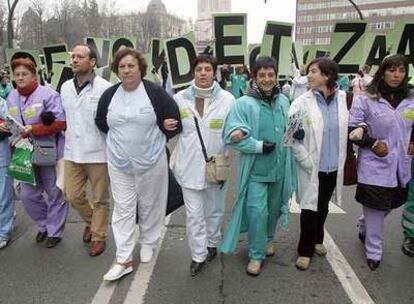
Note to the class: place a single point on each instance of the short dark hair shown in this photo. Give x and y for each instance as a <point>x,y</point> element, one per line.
<point>390,61</point>
<point>121,53</point>
<point>92,51</point>
<point>264,62</point>
<point>204,58</point>
<point>328,67</point>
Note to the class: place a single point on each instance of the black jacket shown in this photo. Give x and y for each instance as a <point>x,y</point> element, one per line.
<point>164,107</point>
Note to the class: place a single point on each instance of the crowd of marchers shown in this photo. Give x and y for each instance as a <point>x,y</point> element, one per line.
<point>301,140</point>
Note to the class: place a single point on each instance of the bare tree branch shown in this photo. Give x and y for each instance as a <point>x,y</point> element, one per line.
<point>12,8</point>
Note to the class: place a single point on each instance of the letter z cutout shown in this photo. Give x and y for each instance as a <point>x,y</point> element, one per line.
<point>358,29</point>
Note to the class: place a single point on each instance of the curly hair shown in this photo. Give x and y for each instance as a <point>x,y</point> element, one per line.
<point>142,63</point>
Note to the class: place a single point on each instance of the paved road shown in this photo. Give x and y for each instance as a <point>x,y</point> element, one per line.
<point>31,273</point>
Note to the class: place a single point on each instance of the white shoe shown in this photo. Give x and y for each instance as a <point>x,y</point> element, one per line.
<point>320,249</point>
<point>271,249</point>
<point>302,263</point>
<point>3,243</point>
<point>117,271</point>
<point>146,253</point>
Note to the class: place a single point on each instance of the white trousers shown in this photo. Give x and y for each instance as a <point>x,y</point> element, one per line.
<point>204,211</point>
<point>150,190</point>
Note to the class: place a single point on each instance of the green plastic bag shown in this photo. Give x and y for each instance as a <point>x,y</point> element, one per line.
<point>21,167</point>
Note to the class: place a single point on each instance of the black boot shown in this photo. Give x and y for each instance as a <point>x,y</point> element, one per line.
<point>361,237</point>
<point>41,236</point>
<point>195,268</point>
<point>212,253</point>
<point>408,246</point>
<point>373,264</point>
<point>52,241</point>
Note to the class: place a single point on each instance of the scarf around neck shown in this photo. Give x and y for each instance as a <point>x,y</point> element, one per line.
<point>203,93</point>
<point>26,91</point>
<point>393,95</point>
<point>255,92</point>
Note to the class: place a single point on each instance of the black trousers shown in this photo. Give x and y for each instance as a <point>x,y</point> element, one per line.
<point>311,222</point>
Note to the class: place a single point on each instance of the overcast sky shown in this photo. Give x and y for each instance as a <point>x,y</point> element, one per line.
<point>257,11</point>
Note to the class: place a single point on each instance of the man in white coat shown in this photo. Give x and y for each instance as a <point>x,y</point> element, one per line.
<point>85,148</point>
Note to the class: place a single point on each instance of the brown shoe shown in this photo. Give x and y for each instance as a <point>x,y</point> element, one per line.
<point>97,247</point>
<point>87,235</point>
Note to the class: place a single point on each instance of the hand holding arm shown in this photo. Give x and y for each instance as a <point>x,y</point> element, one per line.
<point>237,135</point>
<point>380,148</point>
<point>356,134</point>
<point>170,124</point>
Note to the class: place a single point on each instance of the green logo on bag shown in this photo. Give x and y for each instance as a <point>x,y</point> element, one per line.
<point>21,167</point>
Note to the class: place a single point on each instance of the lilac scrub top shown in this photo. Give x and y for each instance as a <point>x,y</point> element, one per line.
<point>392,126</point>
<point>42,99</point>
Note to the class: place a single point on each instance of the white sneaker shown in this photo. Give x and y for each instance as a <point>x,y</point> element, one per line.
<point>117,271</point>
<point>146,253</point>
<point>271,249</point>
<point>3,243</point>
<point>320,249</point>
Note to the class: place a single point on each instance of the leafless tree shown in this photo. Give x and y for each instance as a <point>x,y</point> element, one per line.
<point>69,22</point>
<point>109,12</point>
<point>10,32</point>
<point>2,22</point>
<point>94,21</point>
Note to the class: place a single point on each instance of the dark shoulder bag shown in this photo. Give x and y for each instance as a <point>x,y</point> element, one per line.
<point>44,149</point>
<point>350,169</point>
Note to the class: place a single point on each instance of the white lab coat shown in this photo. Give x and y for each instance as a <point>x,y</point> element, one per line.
<point>84,143</point>
<point>307,151</point>
<point>204,202</point>
<point>188,162</point>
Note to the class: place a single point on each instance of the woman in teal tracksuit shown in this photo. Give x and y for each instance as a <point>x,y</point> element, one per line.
<point>255,127</point>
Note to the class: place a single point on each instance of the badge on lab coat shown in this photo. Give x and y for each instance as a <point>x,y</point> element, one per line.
<point>185,113</point>
<point>13,111</point>
<point>215,124</point>
<point>30,112</point>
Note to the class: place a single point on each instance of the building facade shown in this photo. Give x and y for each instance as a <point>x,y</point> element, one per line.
<point>315,19</point>
<point>204,24</point>
<point>155,22</point>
